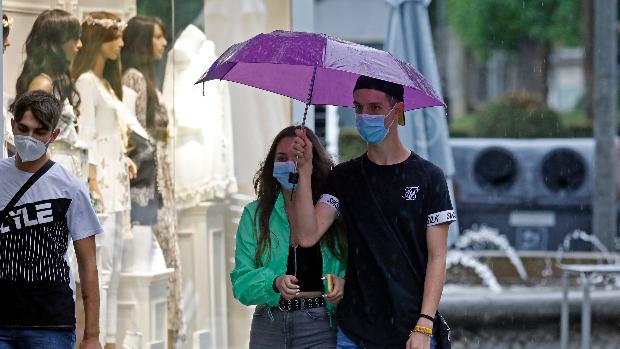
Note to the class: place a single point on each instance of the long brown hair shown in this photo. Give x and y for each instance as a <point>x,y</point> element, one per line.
<point>267,189</point>
<point>45,54</point>
<point>138,54</point>
<point>93,36</point>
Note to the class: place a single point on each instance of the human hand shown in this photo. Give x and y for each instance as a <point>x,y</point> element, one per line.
<point>335,295</point>
<point>96,196</point>
<point>302,147</point>
<point>90,343</point>
<point>132,168</point>
<point>418,341</point>
<point>287,285</point>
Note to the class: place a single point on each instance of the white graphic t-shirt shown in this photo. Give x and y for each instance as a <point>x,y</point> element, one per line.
<point>35,280</point>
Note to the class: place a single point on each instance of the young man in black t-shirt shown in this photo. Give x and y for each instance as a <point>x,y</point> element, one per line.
<point>397,209</point>
<point>37,293</point>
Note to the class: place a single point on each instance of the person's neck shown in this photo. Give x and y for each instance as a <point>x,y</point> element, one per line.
<point>30,166</point>
<point>99,66</point>
<point>389,152</point>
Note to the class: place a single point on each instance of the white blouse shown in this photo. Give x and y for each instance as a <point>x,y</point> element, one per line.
<point>102,126</point>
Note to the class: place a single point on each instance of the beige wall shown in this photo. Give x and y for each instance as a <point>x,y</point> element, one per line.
<point>278,14</point>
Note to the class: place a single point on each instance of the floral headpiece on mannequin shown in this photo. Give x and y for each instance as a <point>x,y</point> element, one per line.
<point>7,23</point>
<point>105,22</point>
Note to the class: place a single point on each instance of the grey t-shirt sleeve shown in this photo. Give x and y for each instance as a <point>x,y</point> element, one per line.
<point>81,217</point>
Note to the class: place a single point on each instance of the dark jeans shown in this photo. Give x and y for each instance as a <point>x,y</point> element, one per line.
<point>35,339</point>
<point>306,328</point>
<point>345,343</point>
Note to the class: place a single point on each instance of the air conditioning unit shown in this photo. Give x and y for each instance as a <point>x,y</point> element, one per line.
<point>535,191</point>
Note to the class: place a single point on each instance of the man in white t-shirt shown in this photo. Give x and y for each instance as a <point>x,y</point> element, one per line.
<point>37,295</point>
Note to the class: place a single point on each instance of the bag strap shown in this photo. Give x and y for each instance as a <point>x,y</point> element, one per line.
<point>35,177</point>
<point>387,224</point>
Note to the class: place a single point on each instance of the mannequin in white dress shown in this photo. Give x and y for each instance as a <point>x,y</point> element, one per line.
<point>203,122</point>
<point>5,124</point>
<point>103,127</point>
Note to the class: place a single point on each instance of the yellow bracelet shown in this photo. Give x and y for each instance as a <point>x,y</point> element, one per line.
<point>425,330</point>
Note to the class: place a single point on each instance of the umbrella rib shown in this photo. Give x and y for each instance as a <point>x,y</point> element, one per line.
<point>309,100</point>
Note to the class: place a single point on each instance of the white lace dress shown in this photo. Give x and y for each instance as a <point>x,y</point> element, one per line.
<point>103,128</point>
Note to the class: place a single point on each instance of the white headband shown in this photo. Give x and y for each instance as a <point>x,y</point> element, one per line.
<point>105,22</point>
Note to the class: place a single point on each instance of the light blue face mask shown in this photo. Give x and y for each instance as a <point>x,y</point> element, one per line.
<point>281,170</point>
<point>372,127</point>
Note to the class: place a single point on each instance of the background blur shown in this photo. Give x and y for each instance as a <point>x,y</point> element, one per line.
<point>527,142</point>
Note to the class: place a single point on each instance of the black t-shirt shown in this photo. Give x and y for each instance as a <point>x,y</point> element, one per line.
<point>386,267</point>
<point>306,263</point>
<point>36,288</point>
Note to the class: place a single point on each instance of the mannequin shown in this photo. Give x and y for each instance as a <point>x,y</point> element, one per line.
<point>152,196</point>
<point>50,47</point>
<point>203,121</point>
<point>5,125</point>
<point>103,125</point>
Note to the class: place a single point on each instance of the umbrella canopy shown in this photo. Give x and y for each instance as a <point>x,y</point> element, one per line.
<point>316,69</point>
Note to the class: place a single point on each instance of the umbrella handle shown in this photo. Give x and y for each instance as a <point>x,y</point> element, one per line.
<point>293,177</point>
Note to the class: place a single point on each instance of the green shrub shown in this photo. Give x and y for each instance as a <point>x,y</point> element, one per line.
<point>350,144</point>
<point>518,116</point>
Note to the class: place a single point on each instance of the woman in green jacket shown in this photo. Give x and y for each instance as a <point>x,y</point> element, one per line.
<point>288,283</point>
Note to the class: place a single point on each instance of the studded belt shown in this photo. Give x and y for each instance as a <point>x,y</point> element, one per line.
<point>300,303</point>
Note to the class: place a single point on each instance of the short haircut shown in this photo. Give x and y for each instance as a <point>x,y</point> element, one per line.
<point>44,107</point>
<point>391,89</point>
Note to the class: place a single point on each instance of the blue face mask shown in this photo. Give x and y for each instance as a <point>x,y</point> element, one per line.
<point>281,170</point>
<point>372,127</point>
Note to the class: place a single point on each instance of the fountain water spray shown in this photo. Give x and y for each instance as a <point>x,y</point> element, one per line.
<point>491,235</point>
<point>455,257</point>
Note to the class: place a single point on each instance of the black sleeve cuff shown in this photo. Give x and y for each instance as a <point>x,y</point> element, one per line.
<point>273,285</point>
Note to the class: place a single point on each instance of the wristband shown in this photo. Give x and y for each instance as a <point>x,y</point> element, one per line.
<point>428,317</point>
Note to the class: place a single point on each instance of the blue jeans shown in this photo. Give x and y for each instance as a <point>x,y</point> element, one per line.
<point>345,343</point>
<point>34,339</point>
<point>300,329</point>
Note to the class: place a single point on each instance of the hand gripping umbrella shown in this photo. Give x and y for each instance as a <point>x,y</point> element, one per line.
<point>316,69</point>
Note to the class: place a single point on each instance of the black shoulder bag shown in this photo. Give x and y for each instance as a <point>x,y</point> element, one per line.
<point>35,177</point>
<point>441,328</point>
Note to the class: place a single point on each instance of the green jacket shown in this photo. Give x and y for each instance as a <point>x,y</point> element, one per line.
<point>252,284</point>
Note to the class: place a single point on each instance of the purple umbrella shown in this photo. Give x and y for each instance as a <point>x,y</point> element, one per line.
<point>316,69</point>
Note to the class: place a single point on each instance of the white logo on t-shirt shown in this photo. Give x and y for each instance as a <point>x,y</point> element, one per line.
<point>410,193</point>
<point>21,219</point>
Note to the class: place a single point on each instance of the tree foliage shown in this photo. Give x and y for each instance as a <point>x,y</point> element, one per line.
<point>518,116</point>
<point>487,25</point>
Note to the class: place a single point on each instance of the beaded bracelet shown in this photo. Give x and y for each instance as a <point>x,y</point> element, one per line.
<point>428,317</point>
<point>421,332</point>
